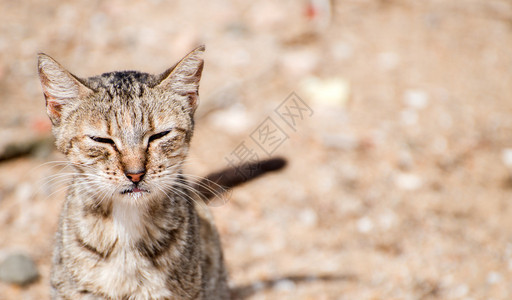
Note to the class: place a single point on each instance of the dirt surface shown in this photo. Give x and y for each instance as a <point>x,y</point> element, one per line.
<point>399,177</point>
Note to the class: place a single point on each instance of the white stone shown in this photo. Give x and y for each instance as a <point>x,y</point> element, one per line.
<point>408,181</point>
<point>24,192</point>
<point>300,62</point>
<point>460,291</point>
<point>285,285</point>
<point>365,225</point>
<point>333,91</point>
<point>494,277</point>
<point>416,99</point>
<point>308,217</point>
<point>506,157</point>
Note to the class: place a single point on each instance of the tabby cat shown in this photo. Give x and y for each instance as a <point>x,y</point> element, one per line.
<point>132,226</point>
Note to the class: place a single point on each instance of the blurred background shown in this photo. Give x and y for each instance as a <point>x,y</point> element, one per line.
<point>394,116</point>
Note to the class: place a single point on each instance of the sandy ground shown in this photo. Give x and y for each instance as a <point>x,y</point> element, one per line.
<point>399,178</point>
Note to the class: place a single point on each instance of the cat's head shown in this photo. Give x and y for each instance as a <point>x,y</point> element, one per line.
<point>127,133</point>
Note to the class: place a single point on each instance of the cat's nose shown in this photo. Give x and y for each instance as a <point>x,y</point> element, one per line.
<point>135,177</point>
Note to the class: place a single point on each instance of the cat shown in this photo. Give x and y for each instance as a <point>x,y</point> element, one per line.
<point>132,225</point>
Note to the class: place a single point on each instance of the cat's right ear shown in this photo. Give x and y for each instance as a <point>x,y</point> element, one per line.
<point>59,87</point>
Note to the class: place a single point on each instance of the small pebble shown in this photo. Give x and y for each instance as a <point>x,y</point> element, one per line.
<point>23,192</point>
<point>285,285</point>
<point>408,182</point>
<point>18,269</point>
<point>308,217</point>
<point>365,225</point>
<point>416,99</point>
<point>506,157</point>
<point>332,92</point>
<point>300,62</point>
<point>460,291</point>
<point>258,286</point>
<point>494,277</point>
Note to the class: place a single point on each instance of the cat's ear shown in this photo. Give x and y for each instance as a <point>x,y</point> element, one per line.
<point>59,87</point>
<point>183,78</point>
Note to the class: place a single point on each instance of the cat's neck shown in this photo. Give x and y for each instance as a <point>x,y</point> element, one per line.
<point>128,220</point>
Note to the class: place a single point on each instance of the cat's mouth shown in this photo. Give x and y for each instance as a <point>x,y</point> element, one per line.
<point>134,189</point>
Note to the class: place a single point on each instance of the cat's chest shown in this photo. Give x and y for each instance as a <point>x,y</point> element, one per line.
<point>126,271</point>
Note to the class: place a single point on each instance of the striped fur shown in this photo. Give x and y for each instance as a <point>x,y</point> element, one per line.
<point>117,238</point>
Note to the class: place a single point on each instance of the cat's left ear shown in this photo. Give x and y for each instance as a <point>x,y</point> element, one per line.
<point>60,87</point>
<point>183,78</point>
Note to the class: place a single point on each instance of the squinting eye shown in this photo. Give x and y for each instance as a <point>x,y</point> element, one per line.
<point>158,135</point>
<point>102,140</point>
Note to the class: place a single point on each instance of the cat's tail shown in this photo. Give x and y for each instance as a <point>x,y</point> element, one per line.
<point>219,182</point>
